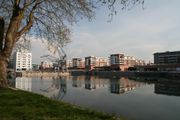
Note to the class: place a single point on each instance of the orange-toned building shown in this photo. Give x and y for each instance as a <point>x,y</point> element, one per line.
<point>122,62</point>
<point>78,63</point>
<point>91,62</point>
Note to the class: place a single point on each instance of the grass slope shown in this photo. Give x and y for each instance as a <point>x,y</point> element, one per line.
<point>21,105</point>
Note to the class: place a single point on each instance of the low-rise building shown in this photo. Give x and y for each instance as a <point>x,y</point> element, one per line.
<point>91,62</point>
<point>167,57</point>
<point>78,63</point>
<point>69,64</point>
<point>46,65</point>
<point>101,62</point>
<point>122,62</point>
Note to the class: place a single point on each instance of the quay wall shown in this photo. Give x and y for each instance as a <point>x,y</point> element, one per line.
<point>39,74</point>
<point>163,74</point>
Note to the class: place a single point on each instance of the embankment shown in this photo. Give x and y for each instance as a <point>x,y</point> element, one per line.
<point>39,74</point>
<point>163,74</point>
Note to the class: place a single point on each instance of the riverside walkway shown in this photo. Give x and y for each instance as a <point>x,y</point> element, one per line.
<point>39,74</point>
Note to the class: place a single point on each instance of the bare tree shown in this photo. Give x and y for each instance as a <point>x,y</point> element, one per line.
<point>48,19</point>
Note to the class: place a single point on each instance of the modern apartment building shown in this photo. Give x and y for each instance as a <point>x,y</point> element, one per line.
<point>22,60</point>
<point>122,62</point>
<point>101,62</point>
<point>117,59</point>
<point>167,57</point>
<point>69,64</point>
<point>77,63</point>
<point>91,62</point>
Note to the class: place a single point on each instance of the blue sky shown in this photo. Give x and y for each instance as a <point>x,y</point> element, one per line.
<point>134,32</point>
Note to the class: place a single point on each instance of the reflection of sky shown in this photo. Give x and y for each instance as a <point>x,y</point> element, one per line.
<point>134,32</point>
<point>140,103</point>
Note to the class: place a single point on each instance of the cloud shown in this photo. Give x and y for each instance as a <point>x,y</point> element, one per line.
<point>137,32</point>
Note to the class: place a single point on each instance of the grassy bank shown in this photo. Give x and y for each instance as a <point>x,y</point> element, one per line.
<point>20,105</point>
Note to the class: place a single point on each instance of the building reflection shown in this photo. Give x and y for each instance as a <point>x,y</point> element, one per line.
<point>122,85</point>
<point>52,87</point>
<point>63,87</point>
<point>88,82</point>
<point>117,85</point>
<point>23,83</point>
<point>92,83</point>
<point>77,81</point>
<point>169,88</point>
<point>58,88</point>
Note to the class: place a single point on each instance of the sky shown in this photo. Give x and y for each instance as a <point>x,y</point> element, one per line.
<point>137,32</point>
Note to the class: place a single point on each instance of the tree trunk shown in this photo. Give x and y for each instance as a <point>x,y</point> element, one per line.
<point>3,72</point>
<point>3,62</point>
<point>1,32</point>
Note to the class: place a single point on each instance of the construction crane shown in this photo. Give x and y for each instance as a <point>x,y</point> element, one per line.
<point>50,57</point>
<point>62,59</point>
<point>58,63</point>
<point>54,61</point>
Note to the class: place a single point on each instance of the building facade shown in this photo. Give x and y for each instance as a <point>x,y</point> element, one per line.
<point>91,62</point>
<point>167,57</point>
<point>122,62</point>
<point>69,64</point>
<point>22,61</point>
<point>46,65</point>
<point>101,62</point>
<point>78,63</point>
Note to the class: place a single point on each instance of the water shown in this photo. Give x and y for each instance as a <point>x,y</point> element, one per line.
<point>132,99</point>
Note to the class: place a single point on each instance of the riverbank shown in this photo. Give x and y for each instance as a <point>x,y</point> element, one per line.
<point>21,105</point>
<point>161,74</point>
<point>158,74</point>
<point>41,74</point>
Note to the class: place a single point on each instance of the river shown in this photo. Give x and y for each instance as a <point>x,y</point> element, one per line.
<point>134,99</point>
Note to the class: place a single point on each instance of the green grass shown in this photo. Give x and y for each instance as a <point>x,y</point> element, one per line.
<point>21,105</point>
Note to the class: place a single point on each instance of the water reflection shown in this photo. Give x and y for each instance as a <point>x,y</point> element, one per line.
<point>88,82</point>
<point>24,83</point>
<point>56,87</point>
<point>120,96</point>
<point>77,81</point>
<point>122,85</point>
<point>92,83</point>
<point>167,88</point>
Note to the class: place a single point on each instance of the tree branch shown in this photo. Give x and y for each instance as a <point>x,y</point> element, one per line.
<point>28,4</point>
<point>29,21</point>
<point>26,27</point>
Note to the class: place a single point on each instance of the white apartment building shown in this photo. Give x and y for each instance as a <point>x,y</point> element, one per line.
<point>22,61</point>
<point>101,62</point>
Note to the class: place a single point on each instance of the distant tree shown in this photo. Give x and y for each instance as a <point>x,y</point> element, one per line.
<point>48,19</point>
